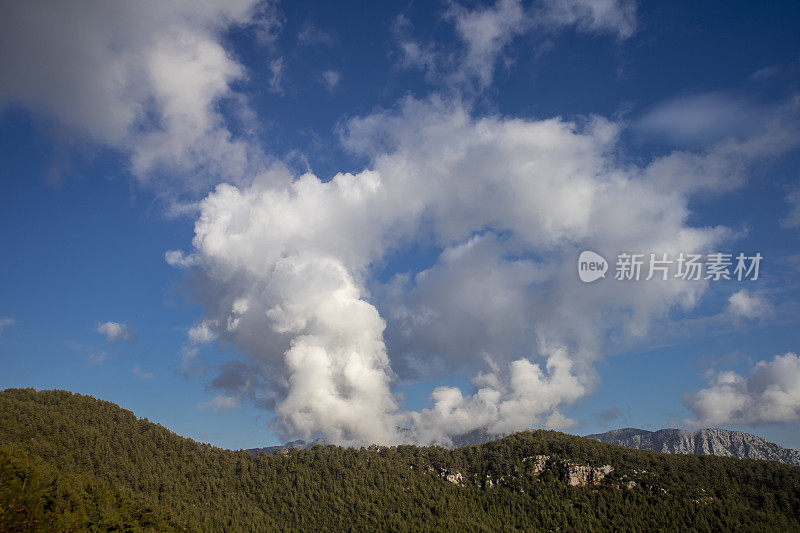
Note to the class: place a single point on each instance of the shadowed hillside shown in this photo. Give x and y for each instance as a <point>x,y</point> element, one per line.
<point>72,462</point>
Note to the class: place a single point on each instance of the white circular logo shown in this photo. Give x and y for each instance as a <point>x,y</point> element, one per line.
<point>591,266</point>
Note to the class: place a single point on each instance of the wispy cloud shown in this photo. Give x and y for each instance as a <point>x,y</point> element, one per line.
<point>203,332</point>
<point>702,119</point>
<point>97,358</point>
<point>6,323</point>
<point>331,79</point>
<point>792,219</point>
<point>219,404</point>
<point>136,371</point>
<point>311,34</point>
<point>486,32</point>
<point>276,75</point>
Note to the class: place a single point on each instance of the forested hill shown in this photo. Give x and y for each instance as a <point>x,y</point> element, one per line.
<point>71,463</point>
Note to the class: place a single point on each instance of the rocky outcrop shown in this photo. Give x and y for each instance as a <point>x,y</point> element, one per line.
<point>573,474</point>
<point>584,475</point>
<point>703,442</point>
<point>455,478</point>
<point>537,463</point>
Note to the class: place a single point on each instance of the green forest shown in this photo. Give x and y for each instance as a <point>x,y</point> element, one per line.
<point>70,462</point>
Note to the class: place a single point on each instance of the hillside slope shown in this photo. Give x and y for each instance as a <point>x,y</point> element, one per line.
<point>72,462</point>
<point>722,442</point>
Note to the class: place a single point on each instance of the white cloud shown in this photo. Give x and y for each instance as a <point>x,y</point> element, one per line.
<point>701,119</point>
<point>725,122</point>
<point>530,394</point>
<point>746,304</point>
<point>219,404</point>
<point>177,258</point>
<point>6,322</point>
<point>770,394</point>
<point>267,21</point>
<point>114,331</point>
<point>203,333</point>
<point>615,17</point>
<point>487,30</point>
<point>288,269</point>
<point>331,79</point>
<point>412,53</point>
<point>143,77</point>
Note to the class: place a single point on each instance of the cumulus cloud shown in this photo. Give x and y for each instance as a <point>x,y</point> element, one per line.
<point>529,394</point>
<point>288,270</point>
<point>746,304</point>
<point>143,77</point>
<point>771,393</point>
<point>114,331</point>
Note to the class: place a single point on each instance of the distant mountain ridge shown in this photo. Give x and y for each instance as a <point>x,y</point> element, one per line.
<point>472,438</point>
<point>710,441</point>
<point>298,444</point>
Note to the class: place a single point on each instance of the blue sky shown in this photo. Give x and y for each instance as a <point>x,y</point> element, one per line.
<point>406,188</point>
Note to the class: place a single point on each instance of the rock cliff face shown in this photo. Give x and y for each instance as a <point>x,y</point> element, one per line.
<point>573,474</point>
<point>703,442</point>
<point>538,462</point>
<point>583,475</point>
